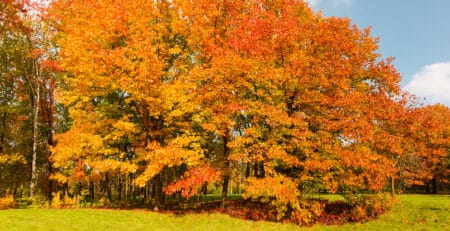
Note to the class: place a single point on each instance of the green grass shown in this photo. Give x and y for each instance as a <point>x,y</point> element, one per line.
<point>91,219</point>
<point>329,197</point>
<point>415,212</point>
<point>214,197</point>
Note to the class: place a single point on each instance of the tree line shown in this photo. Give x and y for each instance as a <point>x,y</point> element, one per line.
<point>149,101</point>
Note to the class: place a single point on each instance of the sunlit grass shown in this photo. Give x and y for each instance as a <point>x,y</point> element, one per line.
<point>91,219</point>
<point>415,212</point>
<point>329,197</point>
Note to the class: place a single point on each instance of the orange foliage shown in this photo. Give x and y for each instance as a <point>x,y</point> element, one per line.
<point>304,98</point>
<point>192,180</point>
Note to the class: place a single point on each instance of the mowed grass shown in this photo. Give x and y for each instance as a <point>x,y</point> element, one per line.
<point>92,219</point>
<point>415,212</point>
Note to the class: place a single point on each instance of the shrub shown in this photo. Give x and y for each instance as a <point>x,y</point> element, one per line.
<point>56,200</point>
<point>358,213</point>
<point>372,205</point>
<point>7,202</point>
<point>62,202</point>
<point>278,191</point>
<point>281,193</point>
<point>335,213</point>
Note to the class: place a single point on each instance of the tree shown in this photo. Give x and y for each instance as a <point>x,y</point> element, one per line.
<point>13,68</point>
<point>25,76</point>
<point>301,96</point>
<point>172,94</point>
<point>427,162</point>
<point>124,90</point>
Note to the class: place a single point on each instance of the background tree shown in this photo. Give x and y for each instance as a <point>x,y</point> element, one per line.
<point>427,162</point>
<point>13,106</point>
<point>26,84</point>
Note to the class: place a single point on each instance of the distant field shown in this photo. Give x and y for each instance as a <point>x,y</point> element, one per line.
<point>416,212</point>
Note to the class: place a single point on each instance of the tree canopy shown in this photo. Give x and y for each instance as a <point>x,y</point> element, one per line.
<point>161,99</point>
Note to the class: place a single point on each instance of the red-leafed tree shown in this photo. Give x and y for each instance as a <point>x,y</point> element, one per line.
<point>174,95</point>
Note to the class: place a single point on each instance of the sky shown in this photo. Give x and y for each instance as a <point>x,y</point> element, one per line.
<point>414,32</point>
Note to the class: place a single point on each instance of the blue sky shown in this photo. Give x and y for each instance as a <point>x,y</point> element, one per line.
<point>415,32</point>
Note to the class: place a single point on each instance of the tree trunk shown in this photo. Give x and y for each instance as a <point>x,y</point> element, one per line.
<point>226,174</point>
<point>50,182</point>
<point>2,135</point>
<point>394,166</point>
<point>434,184</point>
<point>261,172</point>
<point>130,189</point>
<point>226,179</point>
<point>247,170</point>
<point>108,187</point>
<point>205,188</point>
<point>50,141</point>
<point>231,185</point>
<point>91,191</point>
<point>119,188</point>
<point>392,186</point>
<point>36,105</point>
<point>158,193</point>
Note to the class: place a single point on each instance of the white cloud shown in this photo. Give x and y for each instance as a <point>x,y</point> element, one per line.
<point>313,3</point>
<point>344,3</point>
<point>432,83</point>
<point>333,3</point>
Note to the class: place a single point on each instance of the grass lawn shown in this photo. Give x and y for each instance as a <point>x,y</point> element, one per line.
<point>416,212</point>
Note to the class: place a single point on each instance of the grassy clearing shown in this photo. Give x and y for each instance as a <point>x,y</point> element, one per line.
<point>416,212</point>
<point>91,219</point>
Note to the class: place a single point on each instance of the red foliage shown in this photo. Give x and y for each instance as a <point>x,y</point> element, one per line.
<point>249,210</point>
<point>192,180</point>
<point>51,65</point>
